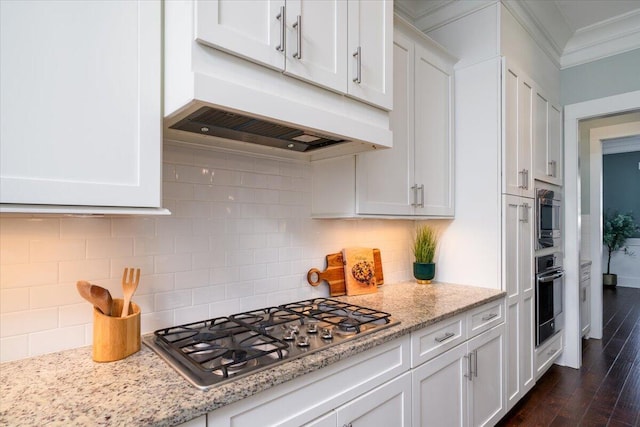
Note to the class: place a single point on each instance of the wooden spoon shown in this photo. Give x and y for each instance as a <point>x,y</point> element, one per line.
<point>129,286</point>
<point>96,295</point>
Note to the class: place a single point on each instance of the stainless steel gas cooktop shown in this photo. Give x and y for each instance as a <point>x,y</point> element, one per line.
<point>217,350</point>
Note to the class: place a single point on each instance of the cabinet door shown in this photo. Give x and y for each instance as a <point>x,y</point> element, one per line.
<point>384,178</point>
<point>250,29</point>
<point>440,390</point>
<point>80,103</point>
<point>387,405</point>
<point>585,307</point>
<point>518,280</point>
<point>547,141</point>
<point>433,121</point>
<point>316,42</point>
<point>518,133</point>
<point>486,398</point>
<point>370,43</point>
<point>327,420</point>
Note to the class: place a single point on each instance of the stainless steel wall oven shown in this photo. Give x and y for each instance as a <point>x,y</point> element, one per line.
<point>549,295</point>
<point>548,218</point>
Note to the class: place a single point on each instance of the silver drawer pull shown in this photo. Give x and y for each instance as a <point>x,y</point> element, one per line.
<point>489,316</point>
<point>445,337</point>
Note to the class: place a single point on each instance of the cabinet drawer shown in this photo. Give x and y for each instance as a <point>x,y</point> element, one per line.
<point>547,353</point>
<point>433,340</point>
<point>585,273</point>
<point>485,317</point>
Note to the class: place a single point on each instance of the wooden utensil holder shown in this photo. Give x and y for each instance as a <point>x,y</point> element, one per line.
<point>115,338</point>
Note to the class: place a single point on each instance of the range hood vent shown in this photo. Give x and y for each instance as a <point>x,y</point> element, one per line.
<point>210,121</point>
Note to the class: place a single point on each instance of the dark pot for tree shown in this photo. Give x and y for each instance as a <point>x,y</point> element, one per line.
<point>609,279</point>
<point>424,272</point>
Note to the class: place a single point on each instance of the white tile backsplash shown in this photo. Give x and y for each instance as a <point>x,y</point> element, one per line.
<point>240,238</point>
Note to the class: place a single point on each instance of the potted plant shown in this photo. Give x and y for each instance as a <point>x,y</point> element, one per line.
<point>617,228</point>
<point>424,250</point>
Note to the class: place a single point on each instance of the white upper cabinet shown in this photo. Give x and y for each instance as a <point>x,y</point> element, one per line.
<point>370,43</point>
<point>518,95</point>
<point>340,45</point>
<point>252,29</point>
<point>548,158</point>
<point>416,176</point>
<point>315,42</point>
<point>80,105</point>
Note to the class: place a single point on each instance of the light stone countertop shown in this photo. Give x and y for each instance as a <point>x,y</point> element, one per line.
<point>69,388</point>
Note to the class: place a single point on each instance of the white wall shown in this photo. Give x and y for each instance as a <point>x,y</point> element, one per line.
<point>240,237</point>
<point>627,267</point>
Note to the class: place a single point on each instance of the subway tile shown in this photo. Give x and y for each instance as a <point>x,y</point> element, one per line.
<point>172,263</point>
<point>214,259</point>
<point>252,241</point>
<point>192,209</point>
<point>267,166</point>
<point>14,348</point>
<point>168,172</point>
<point>193,174</point>
<point>224,308</point>
<point>170,226</point>
<point>54,295</point>
<point>24,275</point>
<point>178,191</point>
<point>266,255</point>
<point>240,257</point>
<point>30,227</point>
<point>93,269</point>
<point>153,245</point>
<point>278,269</point>
<point>56,340</point>
<point>218,276</point>
<point>240,289</point>
<point>144,263</point>
<point>253,271</point>
<point>172,300</point>
<point>28,321</point>
<point>278,240</point>
<point>192,244</point>
<point>76,314</point>
<point>239,162</point>
<point>13,250</point>
<point>266,286</point>
<point>14,299</point>
<point>83,228</point>
<point>240,226</point>
<point>146,302</point>
<point>150,322</point>
<point>133,227</point>
<point>209,294</point>
<point>191,314</point>
<point>208,226</point>
<point>289,253</point>
<point>192,279</point>
<point>109,247</point>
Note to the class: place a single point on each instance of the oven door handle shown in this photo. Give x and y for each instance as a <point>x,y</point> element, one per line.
<point>551,277</point>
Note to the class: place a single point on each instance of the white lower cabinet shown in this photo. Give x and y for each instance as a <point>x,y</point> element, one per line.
<point>548,352</point>
<point>585,300</point>
<point>365,389</point>
<point>464,386</point>
<point>458,377</point>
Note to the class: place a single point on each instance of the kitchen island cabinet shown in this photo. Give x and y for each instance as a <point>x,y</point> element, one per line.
<point>416,177</point>
<point>143,390</point>
<point>80,114</point>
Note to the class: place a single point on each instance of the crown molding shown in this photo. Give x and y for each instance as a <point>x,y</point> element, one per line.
<point>446,11</point>
<point>603,39</point>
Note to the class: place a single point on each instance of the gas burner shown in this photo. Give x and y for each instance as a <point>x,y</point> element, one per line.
<point>219,349</point>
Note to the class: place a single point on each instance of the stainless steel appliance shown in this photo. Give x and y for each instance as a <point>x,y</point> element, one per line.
<point>213,351</point>
<point>548,218</point>
<point>549,295</point>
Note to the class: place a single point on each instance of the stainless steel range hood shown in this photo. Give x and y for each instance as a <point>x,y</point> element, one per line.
<point>211,121</point>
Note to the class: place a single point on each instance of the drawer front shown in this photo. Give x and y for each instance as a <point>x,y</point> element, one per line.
<point>485,317</point>
<point>547,353</point>
<point>434,340</point>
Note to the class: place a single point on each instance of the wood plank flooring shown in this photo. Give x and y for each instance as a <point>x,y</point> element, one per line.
<point>606,390</point>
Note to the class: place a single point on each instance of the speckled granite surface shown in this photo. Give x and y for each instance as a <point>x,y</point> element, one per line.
<point>68,388</point>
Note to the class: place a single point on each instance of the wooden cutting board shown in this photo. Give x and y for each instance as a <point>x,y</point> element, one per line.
<point>334,274</point>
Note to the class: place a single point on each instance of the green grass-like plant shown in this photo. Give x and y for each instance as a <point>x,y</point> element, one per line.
<point>425,244</point>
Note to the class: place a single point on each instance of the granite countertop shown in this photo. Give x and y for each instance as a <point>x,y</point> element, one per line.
<point>70,388</point>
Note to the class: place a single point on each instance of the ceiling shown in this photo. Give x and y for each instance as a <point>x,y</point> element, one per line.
<point>572,32</point>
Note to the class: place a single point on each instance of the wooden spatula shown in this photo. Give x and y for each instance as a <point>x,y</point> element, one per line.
<point>129,286</point>
<point>96,295</point>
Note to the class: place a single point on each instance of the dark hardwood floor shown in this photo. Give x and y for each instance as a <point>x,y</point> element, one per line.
<point>606,390</point>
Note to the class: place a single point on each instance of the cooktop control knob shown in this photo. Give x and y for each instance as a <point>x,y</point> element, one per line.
<point>312,328</point>
<point>326,334</point>
<point>303,341</point>
<point>290,333</point>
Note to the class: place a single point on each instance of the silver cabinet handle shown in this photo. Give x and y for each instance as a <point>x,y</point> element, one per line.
<point>525,213</point>
<point>469,369</point>
<point>475,363</point>
<point>358,56</point>
<point>414,189</point>
<point>553,166</point>
<point>522,174</point>
<point>445,337</point>
<point>421,188</point>
<point>298,26</point>
<point>489,316</point>
<point>280,16</point>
